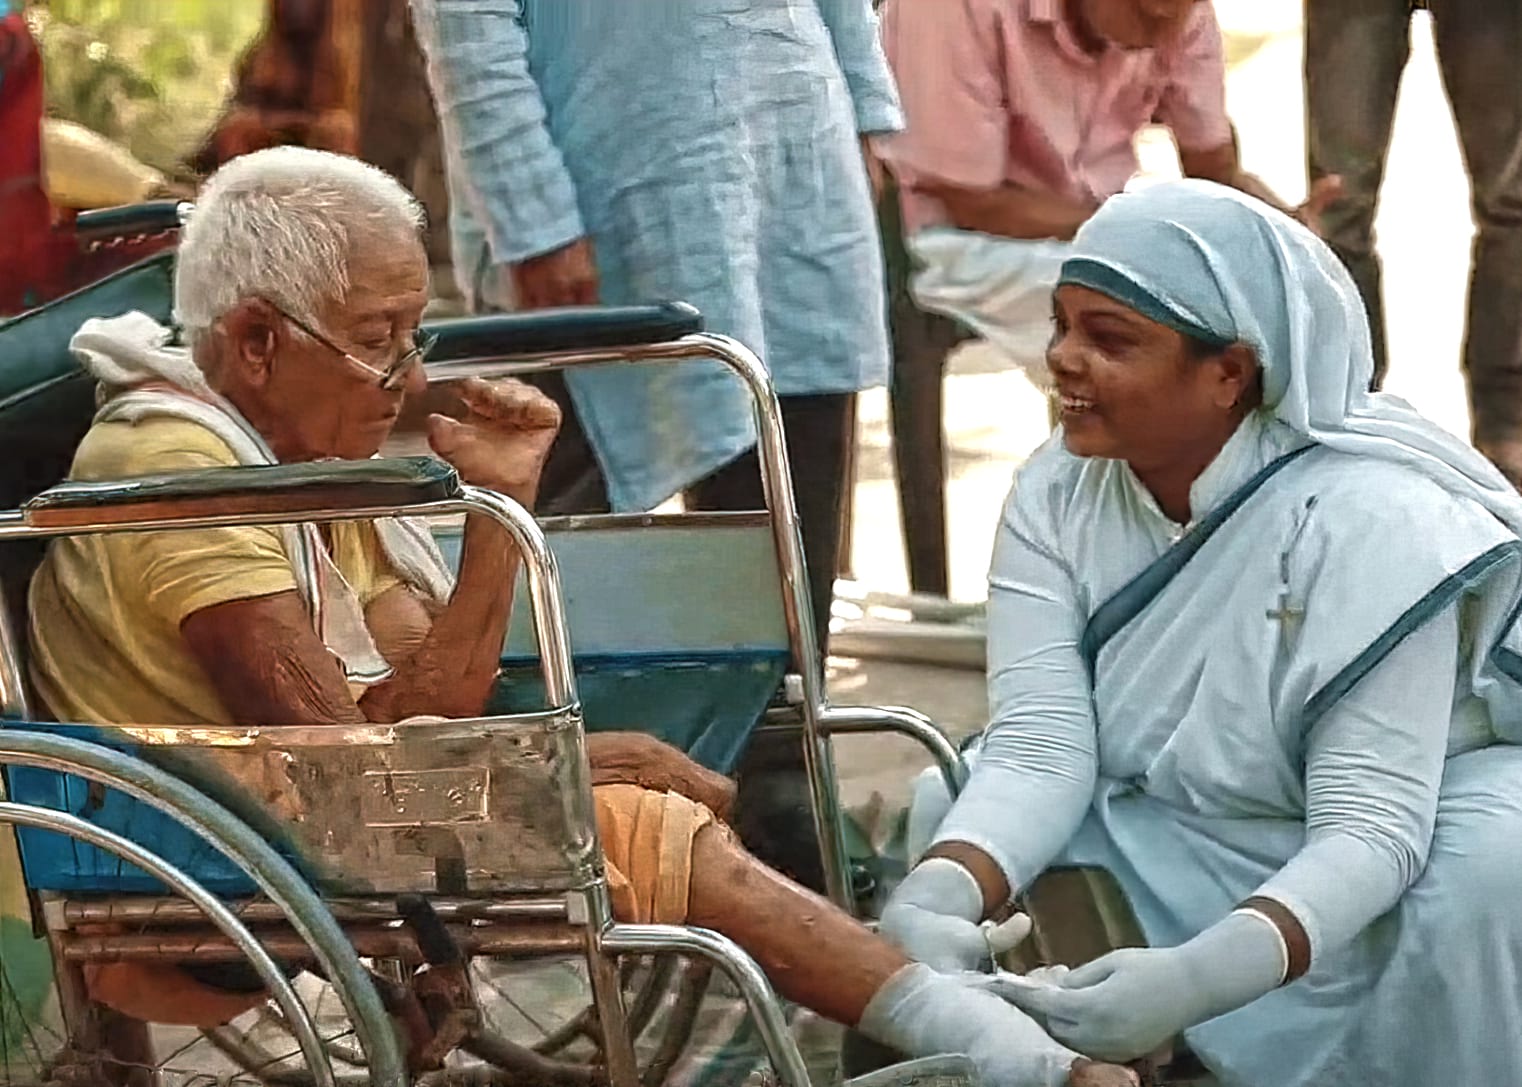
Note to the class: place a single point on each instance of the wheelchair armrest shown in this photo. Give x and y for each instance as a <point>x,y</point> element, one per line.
<point>246,492</point>
<point>551,331</point>
<point>128,221</point>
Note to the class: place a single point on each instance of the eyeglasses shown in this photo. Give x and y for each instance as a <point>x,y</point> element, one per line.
<point>392,376</point>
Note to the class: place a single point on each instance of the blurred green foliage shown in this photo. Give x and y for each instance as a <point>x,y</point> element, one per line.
<point>151,75</point>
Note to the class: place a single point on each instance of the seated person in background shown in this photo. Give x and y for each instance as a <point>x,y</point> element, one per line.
<point>301,282</point>
<point>1022,117</point>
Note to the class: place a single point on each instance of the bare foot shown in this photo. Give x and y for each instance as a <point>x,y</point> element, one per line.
<point>1087,1073</point>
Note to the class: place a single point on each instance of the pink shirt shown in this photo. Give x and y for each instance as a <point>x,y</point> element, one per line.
<point>999,92</point>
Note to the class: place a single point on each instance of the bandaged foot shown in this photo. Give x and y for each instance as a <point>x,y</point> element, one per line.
<point>921,1012</point>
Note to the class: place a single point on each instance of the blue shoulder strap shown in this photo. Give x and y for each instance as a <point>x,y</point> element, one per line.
<point>1113,615</point>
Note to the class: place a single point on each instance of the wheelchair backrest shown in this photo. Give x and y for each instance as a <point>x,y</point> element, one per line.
<point>47,400</point>
<point>676,624</point>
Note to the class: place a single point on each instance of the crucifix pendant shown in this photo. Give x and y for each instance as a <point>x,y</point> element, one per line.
<point>1284,614</point>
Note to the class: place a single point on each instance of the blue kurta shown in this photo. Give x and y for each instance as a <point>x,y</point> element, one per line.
<point>710,149</point>
<point>1320,705</point>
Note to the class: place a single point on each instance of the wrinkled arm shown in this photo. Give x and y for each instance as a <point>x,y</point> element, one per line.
<point>853,28</point>
<point>1012,211</point>
<point>267,665</point>
<point>1374,764</point>
<point>454,667</point>
<point>1035,776</point>
<point>493,119</point>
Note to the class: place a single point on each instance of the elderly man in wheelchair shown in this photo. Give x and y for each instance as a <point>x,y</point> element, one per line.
<point>301,283</point>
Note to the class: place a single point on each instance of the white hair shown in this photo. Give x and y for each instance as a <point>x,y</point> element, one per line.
<point>279,224</point>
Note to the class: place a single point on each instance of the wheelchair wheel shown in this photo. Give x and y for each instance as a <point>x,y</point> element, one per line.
<point>101,999</point>
<point>107,989</point>
<point>535,1027</point>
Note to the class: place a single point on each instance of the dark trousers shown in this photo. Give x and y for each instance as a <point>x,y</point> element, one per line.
<point>773,808</point>
<point>1355,52</point>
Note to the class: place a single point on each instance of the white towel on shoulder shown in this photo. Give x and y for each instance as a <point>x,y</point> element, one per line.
<point>142,375</point>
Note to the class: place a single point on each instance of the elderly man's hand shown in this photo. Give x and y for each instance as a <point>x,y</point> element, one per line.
<point>503,439</point>
<point>634,758</point>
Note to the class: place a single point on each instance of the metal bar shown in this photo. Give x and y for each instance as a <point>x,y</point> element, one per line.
<point>849,720</point>
<point>541,572</point>
<point>192,945</point>
<point>137,909</point>
<point>13,699</point>
<point>237,936</point>
<point>235,840</point>
<point>608,995</point>
<point>724,953</point>
<point>777,488</point>
<point>576,522</point>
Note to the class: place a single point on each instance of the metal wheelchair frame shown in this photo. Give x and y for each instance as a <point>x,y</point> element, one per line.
<point>585,908</point>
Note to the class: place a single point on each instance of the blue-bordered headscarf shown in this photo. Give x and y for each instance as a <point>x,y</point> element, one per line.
<point>1226,268</point>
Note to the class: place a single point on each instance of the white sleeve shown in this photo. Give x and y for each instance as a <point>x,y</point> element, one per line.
<point>1373,767</point>
<point>1034,778</point>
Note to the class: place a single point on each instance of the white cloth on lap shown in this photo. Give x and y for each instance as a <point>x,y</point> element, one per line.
<point>1000,288</point>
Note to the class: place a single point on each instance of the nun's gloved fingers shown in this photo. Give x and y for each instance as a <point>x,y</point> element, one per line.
<point>948,944</point>
<point>1124,1005</point>
<point>933,917</point>
<point>1117,1008</point>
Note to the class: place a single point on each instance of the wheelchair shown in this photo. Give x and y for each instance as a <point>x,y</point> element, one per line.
<point>390,893</point>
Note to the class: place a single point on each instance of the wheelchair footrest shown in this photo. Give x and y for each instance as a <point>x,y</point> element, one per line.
<point>945,1070</point>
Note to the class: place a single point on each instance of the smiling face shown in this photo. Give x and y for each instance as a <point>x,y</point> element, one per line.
<point>308,400</point>
<point>1135,390</point>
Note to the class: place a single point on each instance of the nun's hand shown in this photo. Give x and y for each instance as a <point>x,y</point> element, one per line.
<point>1325,191</point>
<point>1125,1004</point>
<point>934,918</point>
<point>1118,1008</point>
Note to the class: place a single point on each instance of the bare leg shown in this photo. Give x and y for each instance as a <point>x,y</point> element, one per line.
<point>737,895</point>
<point>818,956</point>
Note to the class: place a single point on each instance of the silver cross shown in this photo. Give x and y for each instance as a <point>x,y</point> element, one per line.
<point>1284,613</point>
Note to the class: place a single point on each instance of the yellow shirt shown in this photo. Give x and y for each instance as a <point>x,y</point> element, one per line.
<point>105,611</point>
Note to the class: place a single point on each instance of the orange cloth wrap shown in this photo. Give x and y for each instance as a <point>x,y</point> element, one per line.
<point>647,840</point>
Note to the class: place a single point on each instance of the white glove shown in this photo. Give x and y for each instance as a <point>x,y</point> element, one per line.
<point>920,1012</point>
<point>1125,1004</point>
<point>933,916</point>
